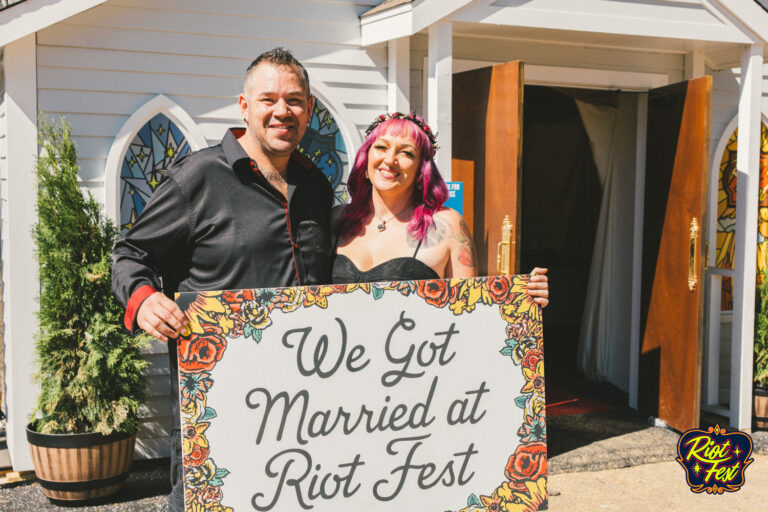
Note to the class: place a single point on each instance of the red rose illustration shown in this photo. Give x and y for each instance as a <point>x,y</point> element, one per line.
<point>236,296</point>
<point>436,293</point>
<point>532,357</point>
<point>498,288</point>
<point>198,456</point>
<point>528,463</point>
<point>201,353</point>
<point>210,495</point>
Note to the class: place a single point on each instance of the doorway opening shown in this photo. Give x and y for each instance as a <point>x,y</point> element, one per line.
<point>561,194</point>
<point>578,166</point>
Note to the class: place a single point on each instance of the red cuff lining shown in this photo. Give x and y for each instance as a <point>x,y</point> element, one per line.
<point>135,301</point>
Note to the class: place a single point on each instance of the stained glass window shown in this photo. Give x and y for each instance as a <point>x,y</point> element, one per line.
<point>726,214</point>
<point>323,144</point>
<point>157,145</point>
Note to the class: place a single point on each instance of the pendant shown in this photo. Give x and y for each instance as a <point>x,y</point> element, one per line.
<point>382,226</point>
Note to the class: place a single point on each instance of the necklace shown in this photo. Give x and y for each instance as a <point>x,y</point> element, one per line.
<point>382,225</point>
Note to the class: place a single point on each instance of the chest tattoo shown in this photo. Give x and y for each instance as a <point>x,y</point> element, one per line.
<point>277,180</point>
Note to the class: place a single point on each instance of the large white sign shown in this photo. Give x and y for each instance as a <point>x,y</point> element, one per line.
<point>425,395</point>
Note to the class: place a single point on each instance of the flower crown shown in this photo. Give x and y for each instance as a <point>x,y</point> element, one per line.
<point>410,117</point>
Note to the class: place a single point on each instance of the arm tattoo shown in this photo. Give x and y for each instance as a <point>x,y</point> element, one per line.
<point>436,234</point>
<point>467,252</point>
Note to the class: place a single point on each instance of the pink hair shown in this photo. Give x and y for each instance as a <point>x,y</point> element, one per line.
<point>430,190</point>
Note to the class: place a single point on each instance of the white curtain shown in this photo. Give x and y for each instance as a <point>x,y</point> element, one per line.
<point>603,352</point>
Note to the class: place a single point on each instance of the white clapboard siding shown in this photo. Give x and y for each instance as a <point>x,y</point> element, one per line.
<point>258,26</point>
<point>99,67</point>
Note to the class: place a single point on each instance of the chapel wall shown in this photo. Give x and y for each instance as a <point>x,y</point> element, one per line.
<point>98,67</point>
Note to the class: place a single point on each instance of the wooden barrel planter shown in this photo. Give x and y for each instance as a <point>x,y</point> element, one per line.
<point>760,407</point>
<point>81,467</point>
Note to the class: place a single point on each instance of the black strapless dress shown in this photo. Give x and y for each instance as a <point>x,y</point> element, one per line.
<point>405,268</point>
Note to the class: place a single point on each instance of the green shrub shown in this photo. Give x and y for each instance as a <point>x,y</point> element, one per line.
<point>89,366</point>
<point>761,333</point>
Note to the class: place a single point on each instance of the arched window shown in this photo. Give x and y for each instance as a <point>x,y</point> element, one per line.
<point>155,136</point>
<point>157,145</point>
<point>324,145</point>
<point>726,213</point>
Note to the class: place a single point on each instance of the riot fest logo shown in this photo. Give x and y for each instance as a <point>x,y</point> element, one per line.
<point>714,460</point>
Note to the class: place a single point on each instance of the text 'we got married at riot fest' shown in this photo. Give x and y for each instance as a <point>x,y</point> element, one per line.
<point>290,416</point>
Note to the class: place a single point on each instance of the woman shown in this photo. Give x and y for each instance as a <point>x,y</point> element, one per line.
<point>395,228</point>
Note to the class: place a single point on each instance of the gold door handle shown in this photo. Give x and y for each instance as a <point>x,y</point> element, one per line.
<point>504,248</point>
<point>693,257</point>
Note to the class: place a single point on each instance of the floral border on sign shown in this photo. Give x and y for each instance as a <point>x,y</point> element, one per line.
<point>216,317</point>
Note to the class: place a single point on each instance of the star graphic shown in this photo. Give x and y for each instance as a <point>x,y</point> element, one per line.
<point>737,451</point>
<point>160,130</point>
<point>169,152</point>
<point>696,469</point>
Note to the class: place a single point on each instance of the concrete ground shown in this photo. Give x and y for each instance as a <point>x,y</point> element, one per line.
<point>657,486</point>
<point>636,470</point>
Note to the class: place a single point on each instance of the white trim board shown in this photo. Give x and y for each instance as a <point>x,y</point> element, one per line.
<point>20,270</point>
<point>586,78</point>
<point>28,17</point>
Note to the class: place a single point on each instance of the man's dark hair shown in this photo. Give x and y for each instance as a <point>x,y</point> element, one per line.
<point>280,57</point>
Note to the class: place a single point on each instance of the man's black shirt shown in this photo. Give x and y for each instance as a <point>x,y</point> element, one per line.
<point>215,223</point>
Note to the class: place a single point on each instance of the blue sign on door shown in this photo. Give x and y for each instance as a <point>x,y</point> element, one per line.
<point>455,196</point>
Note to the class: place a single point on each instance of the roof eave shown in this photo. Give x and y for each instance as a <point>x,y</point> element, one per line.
<point>31,16</point>
<point>406,19</point>
<point>752,18</point>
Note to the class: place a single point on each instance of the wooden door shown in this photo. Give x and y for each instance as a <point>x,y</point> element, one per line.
<point>669,382</point>
<point>487,149</point>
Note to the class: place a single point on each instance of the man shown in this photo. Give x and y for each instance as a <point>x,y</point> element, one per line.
<point>250,212</point>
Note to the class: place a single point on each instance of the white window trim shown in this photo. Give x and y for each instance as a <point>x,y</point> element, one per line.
<point>715,276</point>
<point>160,104</point>
<point>351,137</point>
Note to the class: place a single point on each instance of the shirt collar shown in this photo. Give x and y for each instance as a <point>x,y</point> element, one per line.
<point>233,151</point>
<point>239,160</point>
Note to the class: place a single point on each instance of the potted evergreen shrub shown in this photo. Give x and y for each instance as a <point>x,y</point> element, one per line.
<point>760,389</point>
<point>89,368</point>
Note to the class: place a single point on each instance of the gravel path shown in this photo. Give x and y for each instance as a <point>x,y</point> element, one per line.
<point>146,490</point>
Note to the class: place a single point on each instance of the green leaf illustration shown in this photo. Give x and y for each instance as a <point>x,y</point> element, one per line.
<point>221,473</point>
<point>506,351</point>
<point>377,293</point>
<point>209,413</point>
<point>473,500</point>
<point>520,401</point>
